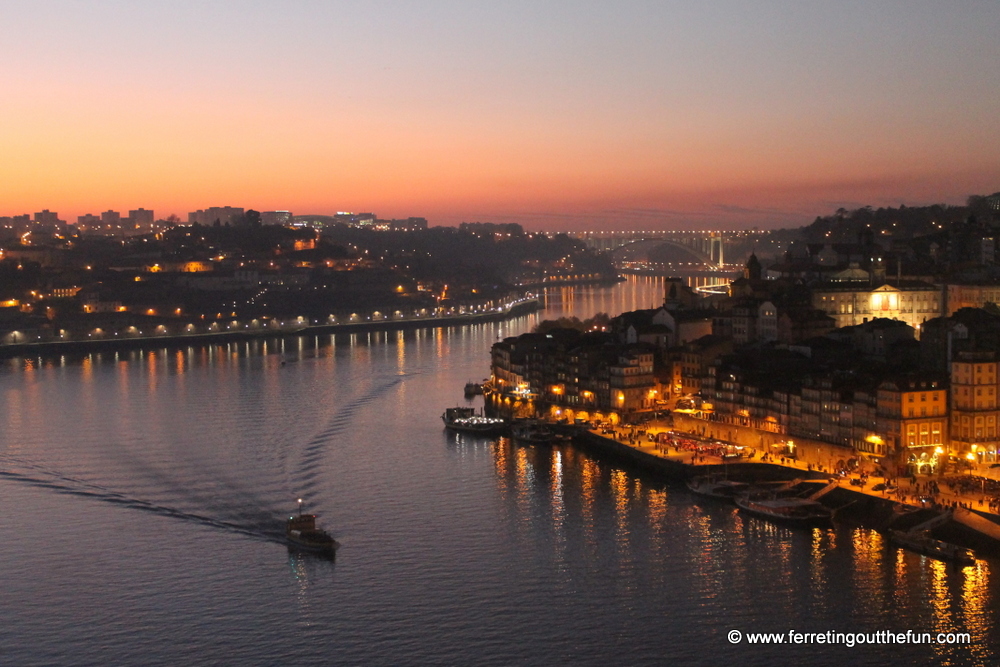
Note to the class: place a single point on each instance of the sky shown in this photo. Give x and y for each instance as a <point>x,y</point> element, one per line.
<point>560,116</point>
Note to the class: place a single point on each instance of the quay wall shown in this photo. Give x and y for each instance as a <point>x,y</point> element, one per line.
<point>822,454</point>
<point>853,505</point>
<point>678,470</point>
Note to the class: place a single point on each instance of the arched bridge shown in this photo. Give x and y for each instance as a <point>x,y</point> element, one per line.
<point>706,246</point>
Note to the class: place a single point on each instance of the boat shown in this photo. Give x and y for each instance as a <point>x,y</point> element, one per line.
<point>900,509</point>
<point>792,510</point>
<point>302,533</point>
<point>473,389</point>
<point>531,432</point>
<point>465,420</point>
<point>713,487</point>
<point>922,543</point>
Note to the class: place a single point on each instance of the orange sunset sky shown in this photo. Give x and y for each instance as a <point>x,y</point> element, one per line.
<point>557,115</point>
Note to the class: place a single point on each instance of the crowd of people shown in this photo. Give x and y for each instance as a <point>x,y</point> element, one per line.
<point>973,485</point>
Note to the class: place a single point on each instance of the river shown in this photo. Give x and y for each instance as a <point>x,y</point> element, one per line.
<point>143,495</point>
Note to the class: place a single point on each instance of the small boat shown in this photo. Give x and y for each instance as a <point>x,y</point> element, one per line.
<point>465,420</point>
<point>473,389</point>
<point>302,533</point>
<point>531,432</point>
<point>798,511</point>
<point>922,543</point>
<point>899,509</point>
<point>713,487</point>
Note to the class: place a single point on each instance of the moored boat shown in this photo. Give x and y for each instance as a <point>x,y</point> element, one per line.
<point>531,432</point>
<point>465,420</point>
<point>713,487</point>
<point>301,533</point>
<point>473,388</point>
<point>900,509</point>
<point>922,543</point>
<point>798,511</point>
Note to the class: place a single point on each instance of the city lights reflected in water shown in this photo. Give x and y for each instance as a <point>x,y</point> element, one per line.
<point>165,476</point>
<point>725,550</point>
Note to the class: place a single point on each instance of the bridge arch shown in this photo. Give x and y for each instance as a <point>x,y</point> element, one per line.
<point>709,246</point>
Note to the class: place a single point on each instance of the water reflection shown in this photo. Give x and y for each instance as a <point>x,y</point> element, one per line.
<point>727,556</point>
<point>532,555</point>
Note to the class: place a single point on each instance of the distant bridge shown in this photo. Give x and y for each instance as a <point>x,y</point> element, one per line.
<point>706,246</point>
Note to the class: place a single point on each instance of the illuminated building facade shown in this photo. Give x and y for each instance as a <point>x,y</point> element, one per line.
<point>912,419</point>
<point>913,302</point>
<point>974,414</point>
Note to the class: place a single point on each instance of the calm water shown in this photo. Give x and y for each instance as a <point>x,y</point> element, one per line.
<point>142,497</point>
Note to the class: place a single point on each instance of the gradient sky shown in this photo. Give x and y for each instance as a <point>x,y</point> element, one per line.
<point>557,115</point>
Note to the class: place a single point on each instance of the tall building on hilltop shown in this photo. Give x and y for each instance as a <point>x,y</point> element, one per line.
<point>47,217</point>
<point>141,218</point>
<point>223,214</point>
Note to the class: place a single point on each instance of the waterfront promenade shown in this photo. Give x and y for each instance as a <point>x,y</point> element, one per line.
<point>56,341</point>
<point>920,491</point>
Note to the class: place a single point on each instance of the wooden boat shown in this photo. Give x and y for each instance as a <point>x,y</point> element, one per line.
<point>302,533</point>
<point>796,511</point>
<point>465,420</point>
<point>922,543</point>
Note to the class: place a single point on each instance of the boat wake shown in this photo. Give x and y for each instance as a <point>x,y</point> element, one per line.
<point>260,525</point>
<point>303,477</point>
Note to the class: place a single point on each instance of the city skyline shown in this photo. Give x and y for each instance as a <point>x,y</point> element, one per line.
<point>555,116</point>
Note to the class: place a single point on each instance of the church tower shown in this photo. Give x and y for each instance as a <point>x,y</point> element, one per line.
<point>752,270</point>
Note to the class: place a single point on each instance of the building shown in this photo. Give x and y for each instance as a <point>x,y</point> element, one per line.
<point>912,420</point>
<point>224,215</point>
<point>974,414</point>
<point>631,380</point>
<point>47,217</point>
<point>966,330</point>
<point>853,302</point>
<point>111,219</point>
<point>971,295</point>
<point>402,225</point>
<point>88,221</point>
<point>141,219</point>
<point>276,217</point>
<point>690,364</point>
<point>993,201</point>
<point>573,374</point>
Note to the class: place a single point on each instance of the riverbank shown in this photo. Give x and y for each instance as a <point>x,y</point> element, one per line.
<point>126,340</point>
<point>865,501</point>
